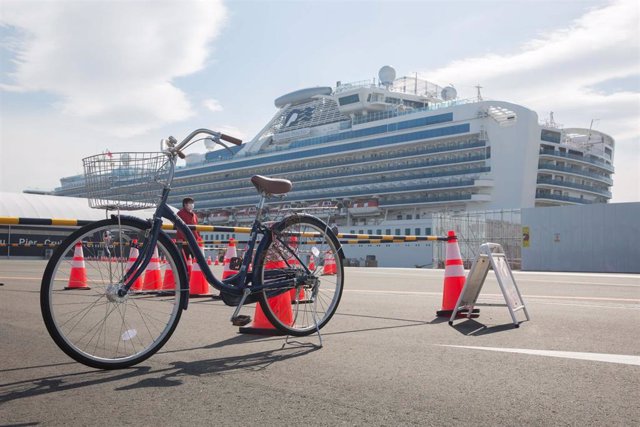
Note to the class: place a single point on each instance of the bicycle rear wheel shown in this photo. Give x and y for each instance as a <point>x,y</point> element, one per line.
<point>301,259</point>
<point>82,310</point>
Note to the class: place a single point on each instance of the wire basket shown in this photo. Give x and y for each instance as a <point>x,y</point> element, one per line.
<point>126,181</point>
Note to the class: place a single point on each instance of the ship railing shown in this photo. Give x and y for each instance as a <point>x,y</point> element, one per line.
<point>310,185</point>
<point>427,199</point>
<point>540,195</point>
<point>380,115</point>
<point>340,162</point>
<point>248,191</point>
<point>376,181</point>
<point>591,160</point>
<point>576,171</point>
<point>332,193</point>
<point>570,184</point>
<point>344,87</point>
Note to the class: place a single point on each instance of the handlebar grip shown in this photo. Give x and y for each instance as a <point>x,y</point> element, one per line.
<point>230,139</point>
<point>180,154</point>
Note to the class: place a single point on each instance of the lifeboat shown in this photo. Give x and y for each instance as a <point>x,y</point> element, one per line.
<point>219,217</point>
<point>246,214</point>
<point>364,207</point>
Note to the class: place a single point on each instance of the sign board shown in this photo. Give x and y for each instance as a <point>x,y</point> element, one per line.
<point>491,255</point>
<point>526,236</point>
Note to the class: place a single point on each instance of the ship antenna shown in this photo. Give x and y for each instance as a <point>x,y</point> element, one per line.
<point>479,95</point>
<point>589,144</point>
<point>552,122</point>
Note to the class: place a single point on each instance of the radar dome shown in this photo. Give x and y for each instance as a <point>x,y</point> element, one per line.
<point>449,93</point>
<point>387,75</point>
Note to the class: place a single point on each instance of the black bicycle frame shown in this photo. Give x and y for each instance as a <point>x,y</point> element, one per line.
<point>233,285</point>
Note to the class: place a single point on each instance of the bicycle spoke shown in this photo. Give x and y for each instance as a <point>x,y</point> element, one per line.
<point>99,325</point>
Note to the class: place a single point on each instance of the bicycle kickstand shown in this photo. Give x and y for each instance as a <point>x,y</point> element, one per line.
<point>315,320</point>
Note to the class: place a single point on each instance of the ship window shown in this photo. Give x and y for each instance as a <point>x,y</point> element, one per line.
<point>427,231</point>
<point>378,231</point>
<point>397,231</point>
<point>360,231</point>
<point>388,231</point>
<point>550,136</point>
<point>399,217</point>
<point>417,231</point>
<point>351,99</point>
<point>407,231</point>
<point>414,104</point>
<point>369,232</point>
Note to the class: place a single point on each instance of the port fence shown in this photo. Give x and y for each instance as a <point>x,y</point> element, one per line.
<point>477,227</point>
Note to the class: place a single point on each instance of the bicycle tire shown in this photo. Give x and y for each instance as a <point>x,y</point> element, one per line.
<point>88,325</point>
<point>315,298</point>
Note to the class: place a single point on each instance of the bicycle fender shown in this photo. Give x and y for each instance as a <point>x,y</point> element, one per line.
<point>184,287</point>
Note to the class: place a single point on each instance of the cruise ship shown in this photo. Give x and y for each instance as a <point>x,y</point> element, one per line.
<point>382,156</point>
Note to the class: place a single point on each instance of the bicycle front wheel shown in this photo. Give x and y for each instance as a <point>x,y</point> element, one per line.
<point>80,305</point>
<point>300,258</point>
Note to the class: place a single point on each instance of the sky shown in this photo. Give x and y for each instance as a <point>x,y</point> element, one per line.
<point>81,77</point>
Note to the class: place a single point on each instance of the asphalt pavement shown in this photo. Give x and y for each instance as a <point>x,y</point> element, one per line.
<point>386,360</point>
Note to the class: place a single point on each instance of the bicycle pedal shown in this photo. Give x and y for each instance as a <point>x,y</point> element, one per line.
<point>241,320</point>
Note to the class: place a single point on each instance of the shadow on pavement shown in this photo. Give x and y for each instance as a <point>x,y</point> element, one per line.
<point>408,323</point>
<point>471,327</point>
<point>56,383</point>
<point>248,362</point>
<point>166,377</point>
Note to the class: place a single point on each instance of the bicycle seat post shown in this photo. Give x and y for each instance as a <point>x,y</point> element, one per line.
<point>260,206</point>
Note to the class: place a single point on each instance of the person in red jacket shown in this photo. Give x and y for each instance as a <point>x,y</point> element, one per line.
<point>189,217</point>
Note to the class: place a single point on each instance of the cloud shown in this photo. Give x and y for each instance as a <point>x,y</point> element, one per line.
<point>564,71</point>
<point>212,105</point>
<point>112,64</point>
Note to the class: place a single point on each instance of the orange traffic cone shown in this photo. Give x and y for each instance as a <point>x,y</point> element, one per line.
<point>198,285</point>
<point>169,281</point>
<point>454,277</point>
<point>230,253</point>
<point>209,262</point>
<point>133,256</point>
<point>281,306</point>
<point>312,263</point>
<point>152,276</point>
<point>78,274</point>
<point>329,265</point>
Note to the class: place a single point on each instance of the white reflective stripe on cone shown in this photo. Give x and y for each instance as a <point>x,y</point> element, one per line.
<point>454,271</point>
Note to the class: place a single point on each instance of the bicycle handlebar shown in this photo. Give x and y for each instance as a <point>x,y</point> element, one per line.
<point>176,148</point>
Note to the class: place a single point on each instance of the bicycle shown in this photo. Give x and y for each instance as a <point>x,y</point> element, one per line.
<point>123,314</point>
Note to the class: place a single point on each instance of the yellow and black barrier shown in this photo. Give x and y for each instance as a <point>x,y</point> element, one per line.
<point>345,238</point>
<point>56,222</point>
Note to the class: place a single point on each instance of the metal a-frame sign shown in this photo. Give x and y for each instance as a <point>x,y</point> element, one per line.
<point>491,255</point>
